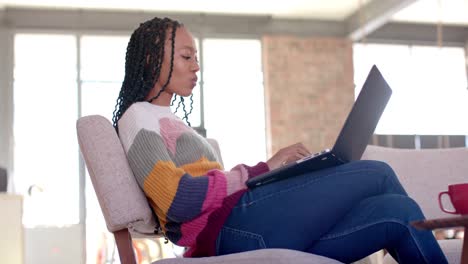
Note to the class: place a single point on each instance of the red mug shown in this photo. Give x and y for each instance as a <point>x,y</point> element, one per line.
<point>458,194</point>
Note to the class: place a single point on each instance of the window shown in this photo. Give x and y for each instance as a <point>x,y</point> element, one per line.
<point>50,94</point>
<point>102,72</point>
<point>234,99</point>
<point>45,112</point>
<point>429,87</point>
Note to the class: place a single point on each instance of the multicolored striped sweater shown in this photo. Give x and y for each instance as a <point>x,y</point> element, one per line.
<point>182,176</point>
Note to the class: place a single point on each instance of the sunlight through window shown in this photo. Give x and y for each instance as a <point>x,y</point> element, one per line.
<point>234,99</point>
<point>45,112</point>
<point>429,87</point>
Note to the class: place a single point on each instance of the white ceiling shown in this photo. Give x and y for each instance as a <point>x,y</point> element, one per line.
<point>454,12</point>
<point>422,11</point>
<point>323,9</point>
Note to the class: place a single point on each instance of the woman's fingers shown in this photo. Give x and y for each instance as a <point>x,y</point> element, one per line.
<point>304,149</point>
<point>299,152</point>
<point>299,149</point>
<point>303,152</point>
<point>288,154</point>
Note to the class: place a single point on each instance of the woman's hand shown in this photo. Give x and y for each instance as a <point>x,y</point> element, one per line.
<point>287,155</point>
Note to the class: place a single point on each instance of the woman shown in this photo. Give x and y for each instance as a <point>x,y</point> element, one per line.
<point>346,212</point>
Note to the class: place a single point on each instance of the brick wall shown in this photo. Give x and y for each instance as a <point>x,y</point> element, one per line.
<point>309,89</point>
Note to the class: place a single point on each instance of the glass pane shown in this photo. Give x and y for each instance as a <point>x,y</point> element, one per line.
<point>429,87</point>
<point>103,58</point>
<point>234,99</point>
<point>440,81</point>
<point>99,98</point>
<point>45,112</point>
<point>48,58</point>
<point>394,64</point>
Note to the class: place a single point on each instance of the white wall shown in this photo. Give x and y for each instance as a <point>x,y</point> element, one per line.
<point>12,239</point>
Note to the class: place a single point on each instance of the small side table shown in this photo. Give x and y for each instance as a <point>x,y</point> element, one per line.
<point>448,222</point>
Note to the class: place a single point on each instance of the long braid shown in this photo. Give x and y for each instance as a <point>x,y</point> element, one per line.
<point>182,102</point>
<point>173,100</point>
<point>178,105</point>
<point>191,105</point>
<point>185,113</point>
<point>143,60</point>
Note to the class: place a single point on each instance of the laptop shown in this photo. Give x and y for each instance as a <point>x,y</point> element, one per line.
<point>352,140</point>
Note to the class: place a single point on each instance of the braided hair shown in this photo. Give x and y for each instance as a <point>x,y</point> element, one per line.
<point>143,61</point>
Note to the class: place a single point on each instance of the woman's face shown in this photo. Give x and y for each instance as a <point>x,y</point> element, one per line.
<point>184,70</point>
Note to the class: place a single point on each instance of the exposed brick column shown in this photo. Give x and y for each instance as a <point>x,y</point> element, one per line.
<point>309,89</point>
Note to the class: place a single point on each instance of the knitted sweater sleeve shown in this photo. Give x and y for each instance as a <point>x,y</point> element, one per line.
<point>180,192</point>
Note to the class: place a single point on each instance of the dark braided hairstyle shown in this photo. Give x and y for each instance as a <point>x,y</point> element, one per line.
<point>185,117</point>
<point>143,60</point>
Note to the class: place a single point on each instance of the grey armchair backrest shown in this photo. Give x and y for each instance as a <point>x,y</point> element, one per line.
<point>122,202</point>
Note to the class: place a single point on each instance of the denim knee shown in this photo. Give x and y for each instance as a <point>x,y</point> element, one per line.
<point>388,176</point>
<point>379,166</point>
<point>403,207</point>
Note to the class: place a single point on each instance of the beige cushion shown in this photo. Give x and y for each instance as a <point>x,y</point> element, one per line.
<point>424,173</point>
<point>262,256</point>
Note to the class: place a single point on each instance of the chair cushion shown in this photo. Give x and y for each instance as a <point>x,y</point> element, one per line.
<point>262,256</point>
<point>424,173</point>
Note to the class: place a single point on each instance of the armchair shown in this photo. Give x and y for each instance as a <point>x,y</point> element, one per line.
<point>126,210</point>
<point>424,173</point>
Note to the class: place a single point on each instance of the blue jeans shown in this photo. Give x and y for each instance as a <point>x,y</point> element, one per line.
<point>345,213</point>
